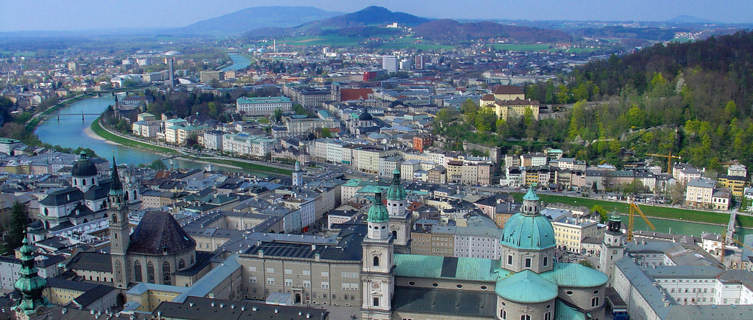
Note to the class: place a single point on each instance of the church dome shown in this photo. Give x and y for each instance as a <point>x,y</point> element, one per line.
<point>378,212</point>
<point>365,116</point>
<point>84,167</point>
<point>528,230</point>
<point>526,287</point>
<point>531,232</point>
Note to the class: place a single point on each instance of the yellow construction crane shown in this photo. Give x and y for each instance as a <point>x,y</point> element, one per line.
<point>669,157</point>
<point>633,209</point>
<point>724,246</point>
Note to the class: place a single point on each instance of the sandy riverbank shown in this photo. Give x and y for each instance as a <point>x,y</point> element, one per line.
<point>89,133</point>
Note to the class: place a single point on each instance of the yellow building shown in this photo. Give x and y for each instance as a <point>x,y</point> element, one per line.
<point>736,184</point>
<point>569,232</point>
<point>510,101</point>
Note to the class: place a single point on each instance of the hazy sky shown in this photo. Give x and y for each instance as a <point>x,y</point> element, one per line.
<point>109,14</point>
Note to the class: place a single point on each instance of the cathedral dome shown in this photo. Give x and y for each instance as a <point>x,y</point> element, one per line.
<point>526,287</point>
<point>84,167</point>
<point>528,230</point>
<point>365,116</point>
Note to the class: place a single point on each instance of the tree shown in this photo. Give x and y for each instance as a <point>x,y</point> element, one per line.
<point>277,116</point>
<point>601,211</point>
<point>677,193</point>
<point>17,231</point>
<point>326,133</point>
<point>192,141</point>
<point>158,165</point>
<point>213,111</point>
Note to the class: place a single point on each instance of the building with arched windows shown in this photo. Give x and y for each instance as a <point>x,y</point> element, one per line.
<point>154,252</point>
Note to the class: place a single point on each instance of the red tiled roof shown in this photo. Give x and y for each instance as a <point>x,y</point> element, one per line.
<point>355,94</point>
<point>488,97</point>
<point>507,90</point>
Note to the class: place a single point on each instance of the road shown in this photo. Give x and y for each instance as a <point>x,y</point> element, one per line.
<point>206,156</point>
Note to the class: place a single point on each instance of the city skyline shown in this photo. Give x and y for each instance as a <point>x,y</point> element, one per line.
<point>46,15</point>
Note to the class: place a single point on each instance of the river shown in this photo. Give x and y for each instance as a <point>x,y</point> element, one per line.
<point>70,132</point>
<point>239,62</point>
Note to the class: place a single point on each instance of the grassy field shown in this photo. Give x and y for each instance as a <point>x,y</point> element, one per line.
<point>97,128</point>
<point>328,40</point>
<point>652,211</point>
<point>522,46</point>
<point>409,42</point>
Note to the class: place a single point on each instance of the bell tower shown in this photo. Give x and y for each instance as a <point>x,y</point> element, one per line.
<point>399,215</point>
<point>119,229</point>
<point>377,279</point>
<point>612,247</point>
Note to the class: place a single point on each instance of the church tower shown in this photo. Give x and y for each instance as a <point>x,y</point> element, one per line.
<point>119,230</point>
<point>297,175</point>
<point>397,208</point>
<point>30,284</point>
<point>377,280</point>
<point>612,247</point>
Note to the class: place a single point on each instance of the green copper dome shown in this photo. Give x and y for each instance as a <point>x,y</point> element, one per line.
<point>396,192</point>
<point>378,212</point>
<point>530,232</point>
<point>526,287</point>
<point>531,195</point>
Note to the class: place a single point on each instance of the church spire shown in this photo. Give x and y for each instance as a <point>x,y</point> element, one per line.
<point>116,188</point>
<point>30,284</point>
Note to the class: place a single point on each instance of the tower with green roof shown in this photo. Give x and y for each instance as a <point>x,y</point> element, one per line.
<point>377,278</point>
<point>399,216</point>
<point>30,284</point>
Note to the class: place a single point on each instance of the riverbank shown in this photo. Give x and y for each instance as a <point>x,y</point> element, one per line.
<point>97,128</point>
<point>667,213</point>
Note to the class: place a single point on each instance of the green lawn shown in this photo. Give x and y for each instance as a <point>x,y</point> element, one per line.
<point>136,144</point>
<point>652,211</point>
<point>522,46</point>
<point>328,40</point>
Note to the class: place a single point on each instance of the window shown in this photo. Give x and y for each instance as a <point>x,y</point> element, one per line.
<point>547,316</point>
<point>288,271</point>
<point>270,281</point>
<point>412,283</point>
<point>509,259</point>
<point>166,273</point>
<point>325,274</point>
<point>503,314</point>
<point>325,285</point>
<point>288,282</point>
<point>306,272</point>
<point>181,264</point>
<point>150,272</point>
<point>595,301</point>
<point>525,317</point>
<point>137,271</point>
<point>528,262</point>
<point>270,270</point>
<point>545,261</point>
<point>376,261</point>
<point>376,301</point>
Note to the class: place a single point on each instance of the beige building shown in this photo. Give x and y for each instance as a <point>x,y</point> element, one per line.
<point>699,193</point>
<point>569,232</point>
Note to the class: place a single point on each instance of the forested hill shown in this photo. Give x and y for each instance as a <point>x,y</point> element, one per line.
<point>694,99</point>
<point>730,56</point>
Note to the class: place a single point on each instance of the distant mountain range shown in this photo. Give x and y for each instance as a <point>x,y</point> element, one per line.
<point>258,17</point>
<point>372,21</point>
